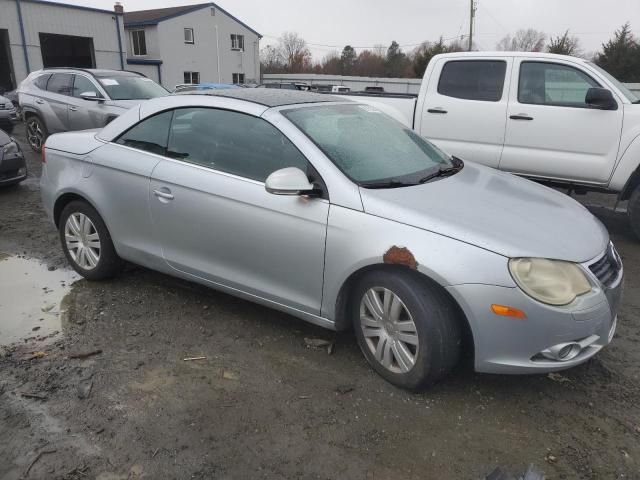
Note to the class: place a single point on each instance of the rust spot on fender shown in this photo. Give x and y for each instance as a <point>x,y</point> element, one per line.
<point>400,256</point>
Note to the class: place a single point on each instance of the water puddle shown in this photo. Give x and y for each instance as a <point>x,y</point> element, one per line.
<point>30,298</point>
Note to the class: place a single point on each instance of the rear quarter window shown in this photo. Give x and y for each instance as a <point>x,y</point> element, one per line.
<point>481,80</point>
<point>41,81</point>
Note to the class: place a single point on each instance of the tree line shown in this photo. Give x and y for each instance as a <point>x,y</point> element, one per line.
<point>620,55</point>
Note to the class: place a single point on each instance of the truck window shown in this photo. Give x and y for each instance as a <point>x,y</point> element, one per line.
<point>473,79</point>
<point>543,83</point>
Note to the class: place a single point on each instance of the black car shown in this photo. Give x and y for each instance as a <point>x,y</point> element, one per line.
<point>13,167</point>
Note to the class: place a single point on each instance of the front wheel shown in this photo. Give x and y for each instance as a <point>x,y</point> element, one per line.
<point>633,210</point>
<point>407,328</point>
<point>86,242</point>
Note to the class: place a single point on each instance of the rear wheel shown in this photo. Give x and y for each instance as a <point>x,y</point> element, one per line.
<point>86,242</point>
<point>36,133</point>
<point>633,210</point>
<point>407,328</point>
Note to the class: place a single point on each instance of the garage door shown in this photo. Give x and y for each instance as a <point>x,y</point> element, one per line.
<point>67,51</point>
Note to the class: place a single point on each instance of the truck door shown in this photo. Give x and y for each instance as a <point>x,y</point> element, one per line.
<point>551,131</point>
<point>465,106</point>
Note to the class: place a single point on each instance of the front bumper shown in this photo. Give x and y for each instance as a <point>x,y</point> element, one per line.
<point>13,169</point>
<point>513,346</point>
<point>8,119</point>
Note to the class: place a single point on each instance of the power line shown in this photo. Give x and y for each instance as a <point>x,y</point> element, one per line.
<point>406,45</point>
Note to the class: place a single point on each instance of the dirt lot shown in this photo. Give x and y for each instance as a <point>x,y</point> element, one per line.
<point>262,404</point>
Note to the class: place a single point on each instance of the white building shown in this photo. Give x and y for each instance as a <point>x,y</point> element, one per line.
<point>36,34</point>
<point>192,44</point>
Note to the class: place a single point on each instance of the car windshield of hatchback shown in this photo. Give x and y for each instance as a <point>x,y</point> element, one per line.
<point>371,148</point>
<point>131,88</point>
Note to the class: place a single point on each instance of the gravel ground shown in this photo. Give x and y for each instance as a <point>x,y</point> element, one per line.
<point>264,405</point>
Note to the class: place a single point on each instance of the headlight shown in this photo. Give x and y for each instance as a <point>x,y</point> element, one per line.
<point>11,148</point>
<point>553,282</point>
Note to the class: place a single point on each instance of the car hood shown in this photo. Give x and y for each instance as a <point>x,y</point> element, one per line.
<point>126,104</point>
<point>496,211</point>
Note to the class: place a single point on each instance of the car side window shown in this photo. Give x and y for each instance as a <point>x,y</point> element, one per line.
<point>41,81</point>
<point>231,142</point>
<point>150,135</point>
<point>83,85</point>
<point>473,79</point>
<point>60,83</point>
<point>553,84</point>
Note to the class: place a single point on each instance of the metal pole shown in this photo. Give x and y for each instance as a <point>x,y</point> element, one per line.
<point>472,12</point>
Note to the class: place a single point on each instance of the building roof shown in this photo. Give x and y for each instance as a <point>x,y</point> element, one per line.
<point>269,97</point>
<point>69,5</point>
<point>154,16</point>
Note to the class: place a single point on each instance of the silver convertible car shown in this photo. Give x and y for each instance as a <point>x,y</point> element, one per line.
<point>333,212</point>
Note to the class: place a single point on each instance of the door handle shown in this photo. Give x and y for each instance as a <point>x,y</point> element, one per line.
<point>521,116</point>
<point>163,195</point>
<point>73,109</point>
<point>439,110</point>
<point>40,102</point>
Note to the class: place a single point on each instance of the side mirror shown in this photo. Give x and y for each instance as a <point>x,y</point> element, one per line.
<point>91,96</point>
<point>600,98</point>
<point>289,181</point>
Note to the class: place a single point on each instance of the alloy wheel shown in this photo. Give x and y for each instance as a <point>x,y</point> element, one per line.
<point>82,240</point>
<point>35,135</point>
<point>389,330</point>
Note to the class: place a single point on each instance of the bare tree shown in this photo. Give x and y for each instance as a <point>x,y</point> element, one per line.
<point>272,59</point>
<point>369,64</point>
<point>331,63</point>
<point>295,51</point>
<point>564,45</point>
<point>529,40</point>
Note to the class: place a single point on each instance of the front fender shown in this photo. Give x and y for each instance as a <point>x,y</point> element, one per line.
<point>356,240</point>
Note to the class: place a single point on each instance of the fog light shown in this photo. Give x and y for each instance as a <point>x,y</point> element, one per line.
<point>562,352</point>
<point>22,171</point>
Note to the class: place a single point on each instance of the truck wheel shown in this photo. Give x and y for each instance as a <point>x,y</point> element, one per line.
<point>406,327</point>
<point>633,210</point>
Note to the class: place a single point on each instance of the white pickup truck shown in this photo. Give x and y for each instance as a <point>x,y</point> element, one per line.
<point>553,118</point>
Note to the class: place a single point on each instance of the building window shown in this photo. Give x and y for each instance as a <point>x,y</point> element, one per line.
<point>237,42</point>
<point>192,77</point>
<point>188,35</point>
<point>138,42</point>
<point>238,78</point>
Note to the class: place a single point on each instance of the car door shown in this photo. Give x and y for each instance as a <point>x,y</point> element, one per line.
<point>217,222</point>
<point>85,114</point>
<point>465,106</point>
<point>551,131</point>
<point>56,101</point>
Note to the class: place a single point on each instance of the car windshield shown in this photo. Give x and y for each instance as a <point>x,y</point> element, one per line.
<point>371,148</point>
<point>632,97</point>
<point>131,88</point>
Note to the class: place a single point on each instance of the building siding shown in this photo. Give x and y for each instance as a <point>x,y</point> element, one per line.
<point>42,18</point>
<point>212,35</point>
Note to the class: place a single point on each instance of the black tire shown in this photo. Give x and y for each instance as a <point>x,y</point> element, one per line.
<point>109,263</point>
<point>32,123</point>
<point>633,210</point>
<point>436,320</point>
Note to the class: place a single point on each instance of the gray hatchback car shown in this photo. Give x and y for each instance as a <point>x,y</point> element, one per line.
<point>335,213</point>
<point>66,99</point>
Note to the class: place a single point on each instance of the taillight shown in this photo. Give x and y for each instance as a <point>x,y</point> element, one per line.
<point>43,154</point>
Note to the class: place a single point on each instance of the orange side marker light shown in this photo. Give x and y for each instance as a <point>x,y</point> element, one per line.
<point>506,311</point>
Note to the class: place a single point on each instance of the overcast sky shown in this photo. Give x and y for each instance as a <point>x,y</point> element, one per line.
<point>409,22</point>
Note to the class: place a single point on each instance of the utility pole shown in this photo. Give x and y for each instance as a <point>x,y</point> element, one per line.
<point>472,14</point>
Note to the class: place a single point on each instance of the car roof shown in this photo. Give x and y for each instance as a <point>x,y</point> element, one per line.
<point>269,97</point>
<point>96,72</point>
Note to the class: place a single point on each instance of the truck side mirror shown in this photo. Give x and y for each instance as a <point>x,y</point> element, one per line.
<point>600,98</point>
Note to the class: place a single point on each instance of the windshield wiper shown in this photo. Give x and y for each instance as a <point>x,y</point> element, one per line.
<point>444,171</point>
<point>387,184</point>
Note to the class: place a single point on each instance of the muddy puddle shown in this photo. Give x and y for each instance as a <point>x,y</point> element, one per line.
<point>31,298</point>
